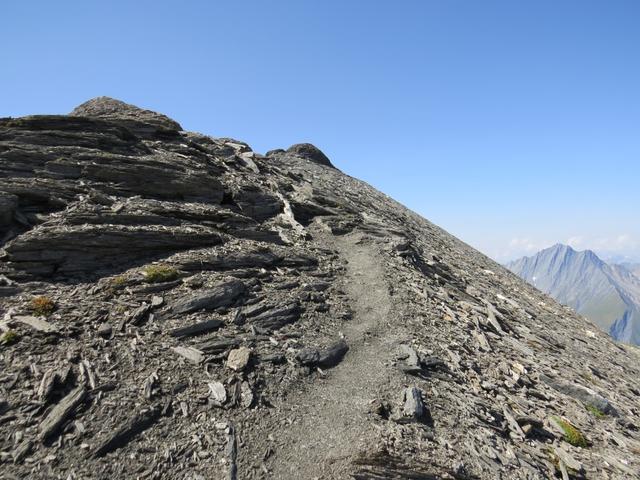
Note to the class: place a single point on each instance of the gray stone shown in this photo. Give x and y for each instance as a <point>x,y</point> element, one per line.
<point>238,358</point>
<point>37,323</point>
<point>413,408</point>
<point>157,301</point>
<point>277,317</point>
<point>222,295</point>
<point>104,330</point>
<point>217,393</point>
<point>60,413</point>
<point>196,328</point>
<point>192,354</point>
<point>323,358</point>
<point>583,394</point>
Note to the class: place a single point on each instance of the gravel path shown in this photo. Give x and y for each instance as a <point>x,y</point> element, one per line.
<point>331,426</point>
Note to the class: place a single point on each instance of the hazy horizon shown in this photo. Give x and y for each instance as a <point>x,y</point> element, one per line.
<point>606,256</point>
<point>512,126</point>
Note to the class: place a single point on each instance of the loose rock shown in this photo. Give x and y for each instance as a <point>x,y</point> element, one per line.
<point>238,359</point>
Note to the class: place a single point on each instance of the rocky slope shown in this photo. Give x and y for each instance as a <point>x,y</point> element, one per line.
<point>177,306</point>
<point>632,267</point>
<point>607,294</point>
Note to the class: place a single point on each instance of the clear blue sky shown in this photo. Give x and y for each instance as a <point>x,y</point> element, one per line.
<point>512,124</point>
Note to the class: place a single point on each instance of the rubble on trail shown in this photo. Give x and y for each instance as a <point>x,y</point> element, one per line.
<point>216,313</point>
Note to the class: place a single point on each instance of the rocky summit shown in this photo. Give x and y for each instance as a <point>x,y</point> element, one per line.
<point>177,306</point>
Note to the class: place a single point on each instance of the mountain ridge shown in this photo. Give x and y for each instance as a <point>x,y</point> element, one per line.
<point>177,306</point>
<point>607,294</point>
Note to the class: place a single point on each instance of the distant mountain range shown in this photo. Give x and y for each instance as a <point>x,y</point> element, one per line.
<point>607,294</point>
<point>632,267</point>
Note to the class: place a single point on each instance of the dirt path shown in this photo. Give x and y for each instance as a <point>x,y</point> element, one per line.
<point>331,424</point>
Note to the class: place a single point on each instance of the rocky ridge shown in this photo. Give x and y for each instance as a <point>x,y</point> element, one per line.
<point>179,306</point>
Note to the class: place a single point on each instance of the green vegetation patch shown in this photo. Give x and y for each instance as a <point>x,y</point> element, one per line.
<point>572,435</point>
<point>595,411</point>
<point>116,283</point>
<point>42,306</point>
<point>159,273</point>
<point>9,337</point>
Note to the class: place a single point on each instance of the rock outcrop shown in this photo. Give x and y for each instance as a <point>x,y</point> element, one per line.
<point>119,112</point>
<point>310,152</point>
<point>178,306</point>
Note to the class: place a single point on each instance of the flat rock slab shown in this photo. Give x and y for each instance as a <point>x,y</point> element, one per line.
<point>61,412</point>
<point>222,295</point>
<point>37,323</point>
<point>196,328</point>
<point>192,354</point>
<point>277,317</point>
<point>583,394</point>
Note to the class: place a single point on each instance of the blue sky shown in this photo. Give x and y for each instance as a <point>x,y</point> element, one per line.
<point>513,125</point>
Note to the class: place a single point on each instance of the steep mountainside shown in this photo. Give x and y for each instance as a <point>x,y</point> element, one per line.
<point>177,306</point>
<point>609,295</point>
<point>632,267</point>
